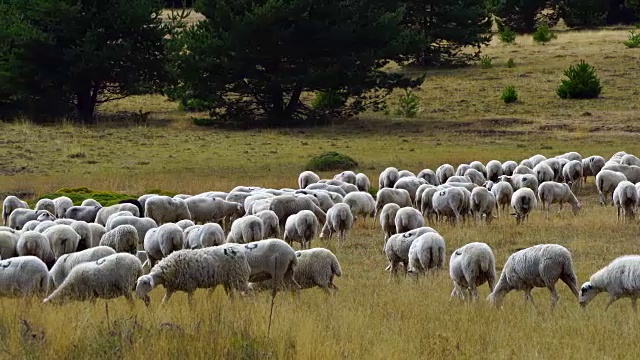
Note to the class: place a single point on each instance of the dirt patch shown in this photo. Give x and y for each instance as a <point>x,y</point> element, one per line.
<point>13,170</point>
<point>493,132</point>
<point>555,127</point>
<point>504,122</point>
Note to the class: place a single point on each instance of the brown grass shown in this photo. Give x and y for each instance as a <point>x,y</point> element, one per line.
<point>462,119</point>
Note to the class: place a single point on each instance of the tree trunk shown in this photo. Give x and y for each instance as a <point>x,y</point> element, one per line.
<point>86,104</point>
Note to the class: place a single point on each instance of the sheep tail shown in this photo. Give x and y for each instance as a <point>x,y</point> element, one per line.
<point>335,267</point>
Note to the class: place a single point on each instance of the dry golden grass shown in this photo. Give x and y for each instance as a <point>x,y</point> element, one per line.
<point>462,119</point>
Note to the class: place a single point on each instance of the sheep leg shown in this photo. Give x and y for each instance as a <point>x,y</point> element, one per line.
<point>554,295</point>
<point>528,297</point>
<point>167,296</point>
<point>611,300</point>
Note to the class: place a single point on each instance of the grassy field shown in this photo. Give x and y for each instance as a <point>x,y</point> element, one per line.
<point>461,119</point>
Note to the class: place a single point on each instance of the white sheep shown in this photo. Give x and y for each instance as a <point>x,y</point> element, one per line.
<point>606,182</point>
<point>523,170</point>
<point>386,196</point>
<point>204,210</point>
<point>270,223</point>
<point>426,203</point>
<point>346,176</point>
<point>508,167</point>
<point>592,165</point>
<point>189,270</point>
<point>46,204</point>
<point>523,203</point>
<point>142,225</point>
<point>494,170</point>
<point>66,262</point>
<point>429,176</point>
<point>107,278</point>
<point>388,221</point>
<point>482,204</point>
<point>620,278</point>
<point>9,204</point>
<point>19,217</point>
<point>411,184</point>
<point>425,253</point>
<point>556,166</point>
<point>61,205</point>
<point>246,229</point>
<point>543,172</point>
<point>307,178</point>
<point>572,174</point>
<point>397,248</point>
<point>86,236</point>
<point>537,266</point>
<point>388,177</point>
<point>408,218</point>
<point>123,238</point>
<point>461,169</point>
<point>97,231</point>
<point>35,244</point>
<point>201,236</point>
<point>185,223</point>
<point>287,205</point>
<point>8,244</point>
<point>631,172</point>
<point>558,193</point>
<point>361,203</point>
<point>90,202</point>
<point>104,213</point>
<point>301,227</point>
<point>503,192</point>
<point>362,182</point>
<point>450,203</point>
<point>471,266</point>
<point>630,159</point>
<point>161,241</point>
<point>475,176</point>
<point>444,172</point>
<point>63,239</point>
<point>23,276</point>
<point>339,220</point>
<point>44,225</point>
<point>164,209</point>
<point>625,198</point>
<point>478,166</point>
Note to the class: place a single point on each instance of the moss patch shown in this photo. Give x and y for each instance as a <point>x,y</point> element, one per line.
<point>330,161</point>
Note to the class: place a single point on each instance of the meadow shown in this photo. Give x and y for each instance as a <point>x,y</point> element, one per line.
<point>461,119</point>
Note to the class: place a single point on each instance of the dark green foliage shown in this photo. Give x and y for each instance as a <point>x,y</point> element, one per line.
<point>543,34</point>
<point>485,62</point>
<point>251,60</point>
<point>373,191</point>
<point>634,40</point>
<point>623,12</point>
<point>78,195</point>
<point>583,13</point>
<point>447,27</point>
<point>408,104</point>
<point>521,16</point>
<point>161,192</point>
<point>507,36</point>
<point>511,63</point>
<point>583,82</point>
<point>69,56</point>
<point>509,94</point>
<point>331,161</point>
<point>204,121</point>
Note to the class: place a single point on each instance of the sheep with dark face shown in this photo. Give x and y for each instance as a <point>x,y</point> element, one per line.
<point>620,279</point>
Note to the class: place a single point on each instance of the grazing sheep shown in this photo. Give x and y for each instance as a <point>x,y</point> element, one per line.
<point>23,276</point>
<point>83,213</point>
<point>444,172</point>
<point>503,193</point>
<point>287,205</point>
<point>64,221</point>
<point>246,229</point>
<point>537,266</point>
<point>301,227</point>
<point>543,172</point>
<point>459,179</point>
<point>346,176</point>
<point>123,238</point>
<point>238,197</point>
<point>556,166</point>
<point>115,215</point>
<point>475,176</point>
<point>63,239</point>
<point>86,236</point>
<point>361,203</point>
<point>494,170</point>
<point>339,220</point>
<point>572,174</point>
<point>606,182</point>
<point>418,200</point>
<point>20,216</point>
<point>46,204</point>
<point>405,173</point>
<point>249,201</point>
<point>478,166</point>
<point>592,165</point>
<point>97,231</point>
<point>9,204</point>
<point>537,159</point>
<point>61,204</point>
<point>523,202</point>
<point>526,163</point>
<point>408,218</point>
<point>184,224</point>
<point>322,196</point>
<point>388,221</point>
<point>362,182</point>
<point>66,262</point>
<point>307,178</point>
<point>397,248</point>
<point>508,167</point>
<point>104,213</point>
<point>270,224</point>
<point>90,202</point>
<point>429,176</point>
<point>632,173</point>
<point>164,209</point>
<point>388,178</point>
<point>8,244</point>
<point>161,241</point>
<point>134,202</point>
<point>35,244</point>
<point>204,210</point>
<point>426,203</point>
<point>620,278</point>
<point>44,225</point>
<point>630,159</point>
<point>571,156</point>
<point>625,198</point>
<point>482,203</point>
<point>449,203</point>
<point>326,187</point>
<point>461,169</point>
<point>189,270</point>
<point>558,193</point>
<point>202,236</point>
<point>386,196</point>
<point>471,266</point>
<point>425,253</point>
<point>411,184</point>
<point>272,259</point>
<point>107,278</point>
<point>523,170</point>
<point>142,225</point>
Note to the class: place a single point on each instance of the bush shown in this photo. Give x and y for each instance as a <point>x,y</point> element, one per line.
<point>634,40</point>
<point>204,121</point>
<point>485,62</point>
<point>583,13</point>
<point>408,104</point>
<point>511,63</point>
<point>78,195</point>
<point>327,100</point>
<point>507,35</point>
<point>509,94</point>
<point>331,161</point>
<point>582,83</point>
<point>543,34</point>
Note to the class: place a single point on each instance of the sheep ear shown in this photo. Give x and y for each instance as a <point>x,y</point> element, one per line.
<point>151,281</point>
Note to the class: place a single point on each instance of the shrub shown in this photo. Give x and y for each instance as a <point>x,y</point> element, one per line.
<point>203,121</point>
<point>511,63</point>
<point>485,62</point>
<point>509,94</point>
<point>327,100</point>
<point>543,34</point>
<point>331,161</point>
<point>634,40</point>
<point>408,104</point>
<point>582,83</point>
<point>507,35</point>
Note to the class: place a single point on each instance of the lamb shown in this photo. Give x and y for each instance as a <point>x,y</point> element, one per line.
<point>386,196</point>
<point>86,236</point>
<point>9,204</point>
<point>90,202</point>
<point>142,225</point>
<point>339,220</point>
<point>161,241</point>
<point>8,244</point>
<point>307,178</point>
<point>83,213</point>
<point>164,209</point>
<point>20,216</point>
<point>503,193</point>
<point>625,198</point>
<point>107,278</point>
<point>494,170</point>
<point>66,262</point>
<point>204,210</point>
<point>61,204</point>
<point>482,203</point>
<point>270,223</point>
<point>104,213</point>
<point>411,184</point>
<point>46,204</point>
<point>508,167</point>
<point>408,218</point>
<point>189,270</point>
<point>35,244</point>
<point>444,172</point>
<point>620,278</point>
<point>201,236</point>
<point>606,182</point>
<point>388,221</point>
<point>523,202</point>
<point>397,248</point>
<point>425,253</point>
<point>123,238</point>
<point>272,259</point>
<point>543,172</point>
<point>572,174</point>
<point>429,176</point>
<point>388,178</point>
<point>286,205</point>
<point>554,193</point>
<point>246,229</point>
<point>471,266</point>
<point>537,266</point>
<point>23,276</point>
<point>360,203</point>
<point>301,227</point>
<point>362,182</point>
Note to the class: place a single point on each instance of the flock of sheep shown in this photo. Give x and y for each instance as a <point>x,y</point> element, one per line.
<point>242,239</point>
